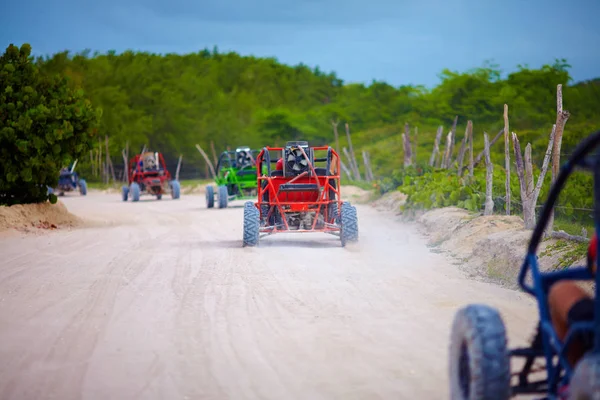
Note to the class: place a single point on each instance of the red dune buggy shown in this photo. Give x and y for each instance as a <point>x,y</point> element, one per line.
<point>302,194</point>
<point>149,175</point>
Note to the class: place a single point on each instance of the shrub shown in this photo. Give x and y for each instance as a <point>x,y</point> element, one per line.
<point>43,125</point>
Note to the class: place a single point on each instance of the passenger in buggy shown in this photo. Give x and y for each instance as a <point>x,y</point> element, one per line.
<point>569,303</point>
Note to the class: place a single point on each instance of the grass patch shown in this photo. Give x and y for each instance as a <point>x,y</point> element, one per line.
<point>575,253</point>
<point>573,228</point>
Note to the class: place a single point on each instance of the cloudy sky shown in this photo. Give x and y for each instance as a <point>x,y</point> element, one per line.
<point>398,41</point>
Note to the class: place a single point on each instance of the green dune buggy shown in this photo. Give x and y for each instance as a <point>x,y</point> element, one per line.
<point>236,178</point>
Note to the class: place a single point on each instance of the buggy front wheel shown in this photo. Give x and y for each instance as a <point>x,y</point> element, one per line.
<point>134,189</point>
<point>210,197</point>
<point>479,360</point>
<point>349,224</point>
<point>82,187</point>
<point>251,224</point>
<point>175,190</point>
<point>125,192</point>
<point>223,196</point>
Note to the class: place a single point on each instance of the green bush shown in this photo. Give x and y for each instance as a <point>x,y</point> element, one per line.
<point>43,125</point>
<point>427,189</point>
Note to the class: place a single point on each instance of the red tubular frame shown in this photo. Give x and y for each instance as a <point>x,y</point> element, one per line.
<point>138,175</point>
<point>285,206</point>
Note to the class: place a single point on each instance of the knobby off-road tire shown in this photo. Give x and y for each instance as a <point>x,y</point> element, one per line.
<point>223,196</point>
<point>251,224</point>
<point>585,383</point>
<point>125,192</point>
<point>134,189</point>
<point>349,224</point>
<point>210,197</point>
<point>175,190</point>
<point>479,359</point>
<point>82,187</point>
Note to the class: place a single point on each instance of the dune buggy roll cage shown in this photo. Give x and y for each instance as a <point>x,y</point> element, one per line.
<point>325,183</point>
<point>137,171</point>
<point>225,159</point>
<point>559,371</point>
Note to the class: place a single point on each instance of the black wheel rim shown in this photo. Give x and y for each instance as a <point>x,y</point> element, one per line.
<point>464,371</point>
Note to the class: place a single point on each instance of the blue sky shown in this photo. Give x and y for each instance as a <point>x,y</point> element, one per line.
<point>398,41</point>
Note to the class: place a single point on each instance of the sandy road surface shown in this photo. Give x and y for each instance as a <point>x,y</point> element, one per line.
<point>160,301</point>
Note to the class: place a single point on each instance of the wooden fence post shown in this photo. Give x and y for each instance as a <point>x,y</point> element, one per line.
<point>179,167</point>
<point>447,154</point>
<point>334,124</point>
<point>208,162</point>
<point>214,153</point>
<point>353,162</point>
<point>529,193</point>
<point>463,147</point>
<point>507,159</point>
<point>406,144</point>
<point>489,177</point>
<point>367,162</point>
<point>436,147</point>
<point>471,150</point>
<point>450,151</point>
<point>561,119</point>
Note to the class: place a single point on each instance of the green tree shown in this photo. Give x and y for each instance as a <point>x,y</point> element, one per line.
<point>43,124</point>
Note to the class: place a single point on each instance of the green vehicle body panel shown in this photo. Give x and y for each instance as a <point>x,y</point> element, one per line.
<point>241,182</point>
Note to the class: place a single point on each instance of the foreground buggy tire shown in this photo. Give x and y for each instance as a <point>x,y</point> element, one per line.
<point>349,224</point>
<point>210,197</point>
<point>479,359</point>
<point>585,383</point>
<point>175,190</point>
<point>223,196</point>
<point>251,224</point>
<point>82,187</point>
<point>125,192</point>
<point>134,189</point>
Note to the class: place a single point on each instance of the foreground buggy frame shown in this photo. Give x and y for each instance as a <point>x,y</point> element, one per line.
<point>236,177</point>
<point>300,197</point>
<point>479,360</point>
<point>69,180</point>
<point>149,175</point>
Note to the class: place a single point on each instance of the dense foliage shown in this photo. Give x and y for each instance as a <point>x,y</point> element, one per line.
<point>43,124</point>
<point>427,189</point>
<point>171,102</point>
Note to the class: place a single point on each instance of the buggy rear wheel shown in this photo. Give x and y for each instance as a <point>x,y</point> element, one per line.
<point>251,224</point>
<point>134,189</point>
<point>479,360</point>
<point>175,190</point>
<point>349,222</point>
<point>210,197</point>
<point>223,196</point>
<point>585,383</point>
<point>82,187</point>
<point>125,192</point>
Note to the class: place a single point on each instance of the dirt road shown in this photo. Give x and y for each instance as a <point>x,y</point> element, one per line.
<point>159,300</point>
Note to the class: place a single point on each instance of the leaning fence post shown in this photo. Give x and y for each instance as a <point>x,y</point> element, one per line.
<point>489,177</point>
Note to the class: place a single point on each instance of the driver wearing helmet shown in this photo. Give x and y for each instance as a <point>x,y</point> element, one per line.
<point>569,304</point>
<point>279,165</point>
